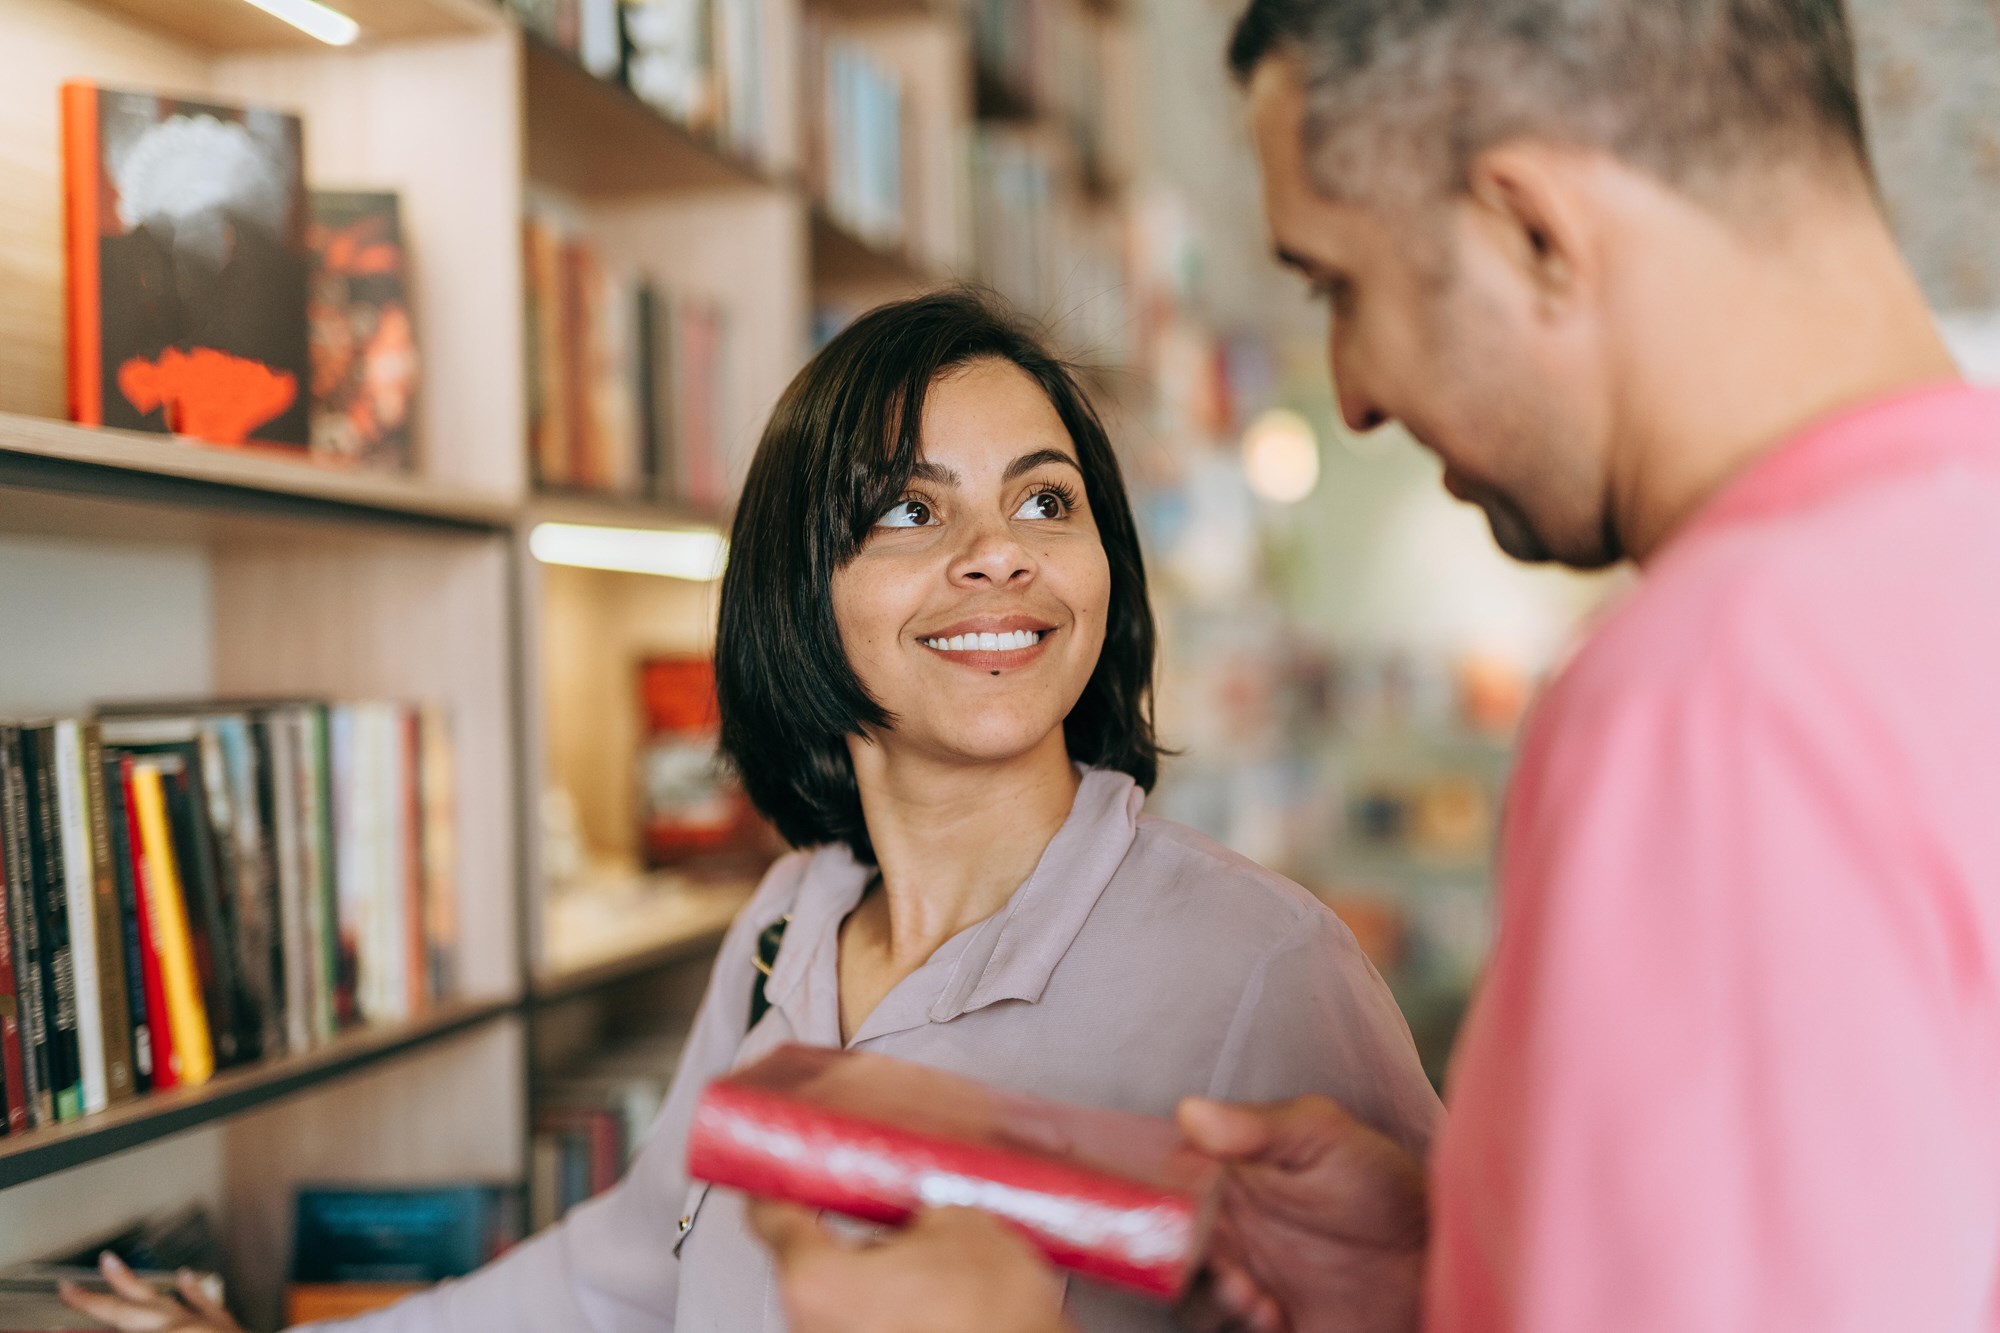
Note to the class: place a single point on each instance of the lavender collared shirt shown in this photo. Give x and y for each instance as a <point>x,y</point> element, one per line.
<point>1139,964</point>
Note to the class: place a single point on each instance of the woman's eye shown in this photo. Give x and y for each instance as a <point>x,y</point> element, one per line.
<point>1043,504</point>
<point>908,514</point>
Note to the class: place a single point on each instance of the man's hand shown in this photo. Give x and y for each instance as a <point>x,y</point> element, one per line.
<point>134,1306</point>
<point>1322,1227</point>
<point>951,1271</point>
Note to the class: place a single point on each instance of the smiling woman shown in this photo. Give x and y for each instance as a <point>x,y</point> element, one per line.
<point>935,661</point>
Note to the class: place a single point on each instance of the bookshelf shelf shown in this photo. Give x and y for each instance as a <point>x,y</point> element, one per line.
<point>42,1152</point>
<point>663,926</point>
<point>233,27</point>
<point>612,512</point>
<point>598,140</point>
<point>842,259</point>
<point>39,454</point>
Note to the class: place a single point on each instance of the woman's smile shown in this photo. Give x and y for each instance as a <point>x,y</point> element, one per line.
<point>990,643</point>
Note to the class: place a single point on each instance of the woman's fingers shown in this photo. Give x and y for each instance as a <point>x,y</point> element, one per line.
<point>188,1283</point>
<point>128,1284</point>
<point>115,1311</point>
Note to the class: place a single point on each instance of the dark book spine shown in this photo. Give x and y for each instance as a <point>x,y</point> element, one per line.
<point>12,1074</point>
<point>264,758</point>
<point>114,999</point>
<point>125,883</point>
<point>52,909</point>
<point>208,928</point>
<point>22,914</point>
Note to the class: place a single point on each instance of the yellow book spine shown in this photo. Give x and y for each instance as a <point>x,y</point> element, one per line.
<point>186,1018</point>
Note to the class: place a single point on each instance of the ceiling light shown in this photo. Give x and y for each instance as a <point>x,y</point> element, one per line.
<point>1281,456</point>
<point>696,554</point>
<point>313,19</point>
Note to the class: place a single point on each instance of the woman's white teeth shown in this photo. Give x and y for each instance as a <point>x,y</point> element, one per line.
<point>1012,641</point>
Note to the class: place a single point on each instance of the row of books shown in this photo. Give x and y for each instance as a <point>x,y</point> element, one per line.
<point>359,1248</point>
<point>854,141</point>
<point>706,64</point>
<point>588,1124</point>
<point>190,888</point>
<point>625,379</point>
<point>295,333</point>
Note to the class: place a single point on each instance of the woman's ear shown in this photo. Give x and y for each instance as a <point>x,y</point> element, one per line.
<point>1531,199</point>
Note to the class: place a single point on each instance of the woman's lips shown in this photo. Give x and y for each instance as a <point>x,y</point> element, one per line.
<point>990,650</point>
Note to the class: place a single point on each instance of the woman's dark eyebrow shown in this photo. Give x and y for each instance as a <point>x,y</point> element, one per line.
<point>1029,462</point>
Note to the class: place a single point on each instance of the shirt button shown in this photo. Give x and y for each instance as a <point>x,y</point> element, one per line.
<point>686,1222</point>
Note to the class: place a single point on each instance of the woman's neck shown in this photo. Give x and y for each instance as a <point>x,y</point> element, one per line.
<point>954,841</point>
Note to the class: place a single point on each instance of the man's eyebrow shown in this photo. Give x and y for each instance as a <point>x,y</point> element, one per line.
<point>1029,462</point>
<point>1296,261</point>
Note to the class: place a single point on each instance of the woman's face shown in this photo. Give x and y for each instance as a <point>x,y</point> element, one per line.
<point>975,611</point>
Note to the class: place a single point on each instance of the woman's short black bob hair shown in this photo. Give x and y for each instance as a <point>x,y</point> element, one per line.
<point>839,451</point>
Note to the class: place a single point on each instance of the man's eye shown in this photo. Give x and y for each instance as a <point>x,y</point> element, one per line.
<point>1043,504</point>
<point>908,514</point>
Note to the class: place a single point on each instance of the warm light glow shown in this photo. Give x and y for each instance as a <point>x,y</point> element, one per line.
<point>313,19</point>
<point>1281,456</point>
<point>695,554</point>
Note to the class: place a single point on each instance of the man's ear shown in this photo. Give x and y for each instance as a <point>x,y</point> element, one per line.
<point>1529,197</point>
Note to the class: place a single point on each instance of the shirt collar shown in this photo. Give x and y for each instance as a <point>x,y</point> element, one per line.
<point>1921,428</point>
<point>1011,954</point>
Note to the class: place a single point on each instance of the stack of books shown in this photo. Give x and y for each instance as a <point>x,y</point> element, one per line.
<point>190,888</point>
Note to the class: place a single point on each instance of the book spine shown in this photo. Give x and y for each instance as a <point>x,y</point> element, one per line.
<point>287,840</point>
<point>194,1053</point>
<point>13,1058</point>
<point>22,915</point>
<point>51,908</point>
<point>114,1007</point>
<point>440,853</point>
<point>210,933</point>
<point>164,1071</point>
<point>80,902</point>
<point>125,871</point>
<point>81,204</point>
<point>331,991</point>
<point>416,952</point>
<point>1100,1226</point>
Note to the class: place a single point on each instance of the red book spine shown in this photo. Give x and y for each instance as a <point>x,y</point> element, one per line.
<point>12,1071</point>
<point>159,1029</point>
<point>1100,1226</point>
<point>81,197</point>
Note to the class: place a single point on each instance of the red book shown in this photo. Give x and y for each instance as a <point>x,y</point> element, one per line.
<point>158,1029</point>
<point>1111,1195</point>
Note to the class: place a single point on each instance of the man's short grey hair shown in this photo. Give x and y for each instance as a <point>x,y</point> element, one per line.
<point>1410,92</point>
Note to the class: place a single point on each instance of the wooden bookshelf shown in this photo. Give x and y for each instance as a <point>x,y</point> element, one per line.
<point>842,260</point>
<point>606,511</point>
<point>594,138</point>
<point>667,923</point>
<point>42,1152</point>
<point>40,454</point>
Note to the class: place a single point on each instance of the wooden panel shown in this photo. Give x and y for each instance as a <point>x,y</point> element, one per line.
<point>232,25</point>
<point>47,42</point>
<point>595,626</point>
<point>398,616</point>
<point>455,1112</point>
<point>439,122</point>
<point>262,472</point>
<point>594,138</point>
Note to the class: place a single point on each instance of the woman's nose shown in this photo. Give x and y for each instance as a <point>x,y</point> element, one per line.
<point>993,558</point>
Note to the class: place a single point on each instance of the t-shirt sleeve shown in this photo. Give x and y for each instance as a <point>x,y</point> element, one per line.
<point>1720,1076</point>
<point>1315,1017</point>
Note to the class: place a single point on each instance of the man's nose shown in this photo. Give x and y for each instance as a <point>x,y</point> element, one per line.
<point>1358,410</point>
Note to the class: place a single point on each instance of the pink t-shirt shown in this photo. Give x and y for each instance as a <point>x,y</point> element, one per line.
<point>1735,1067</point>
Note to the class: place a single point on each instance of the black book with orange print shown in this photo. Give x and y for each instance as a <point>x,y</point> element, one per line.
<point>187,267</point>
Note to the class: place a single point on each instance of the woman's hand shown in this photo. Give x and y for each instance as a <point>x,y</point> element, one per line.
<point>134,1307</point>
<point>950,1271</point>
<point>1323,1223</point>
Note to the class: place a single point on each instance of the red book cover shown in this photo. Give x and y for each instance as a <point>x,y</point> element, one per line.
<point>159,1030</point>
<point>690,802</point>
<point>1111,1195</point>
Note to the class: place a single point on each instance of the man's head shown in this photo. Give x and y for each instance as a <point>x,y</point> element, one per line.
<point>1483,190</point>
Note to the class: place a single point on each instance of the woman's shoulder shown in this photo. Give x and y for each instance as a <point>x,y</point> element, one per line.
<point>1188,880</point>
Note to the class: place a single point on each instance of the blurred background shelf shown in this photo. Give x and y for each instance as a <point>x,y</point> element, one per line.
<point>40,1152</point>
<point>840,258</point>
<point>601,935</point>
<point>54,455</point>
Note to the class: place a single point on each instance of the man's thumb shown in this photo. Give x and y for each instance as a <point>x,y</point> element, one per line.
<point>1231,1133</point>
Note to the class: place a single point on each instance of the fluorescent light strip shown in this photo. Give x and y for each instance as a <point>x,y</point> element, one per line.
<point>313,19</point>
<point>697,555</point>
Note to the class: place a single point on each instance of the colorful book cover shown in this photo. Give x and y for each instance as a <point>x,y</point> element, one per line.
<point>23,916</point>
<point>163,1069</point>
<point>125,865</point>
<point>690,803</point>
<point>364,343</point>
<point>387,1233</point>
<point>1113,1196</point>
<point>187,267</point>
<point>193,1055</point>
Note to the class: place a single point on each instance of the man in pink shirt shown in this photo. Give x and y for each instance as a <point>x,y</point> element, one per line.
<point>1735,1067</point>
